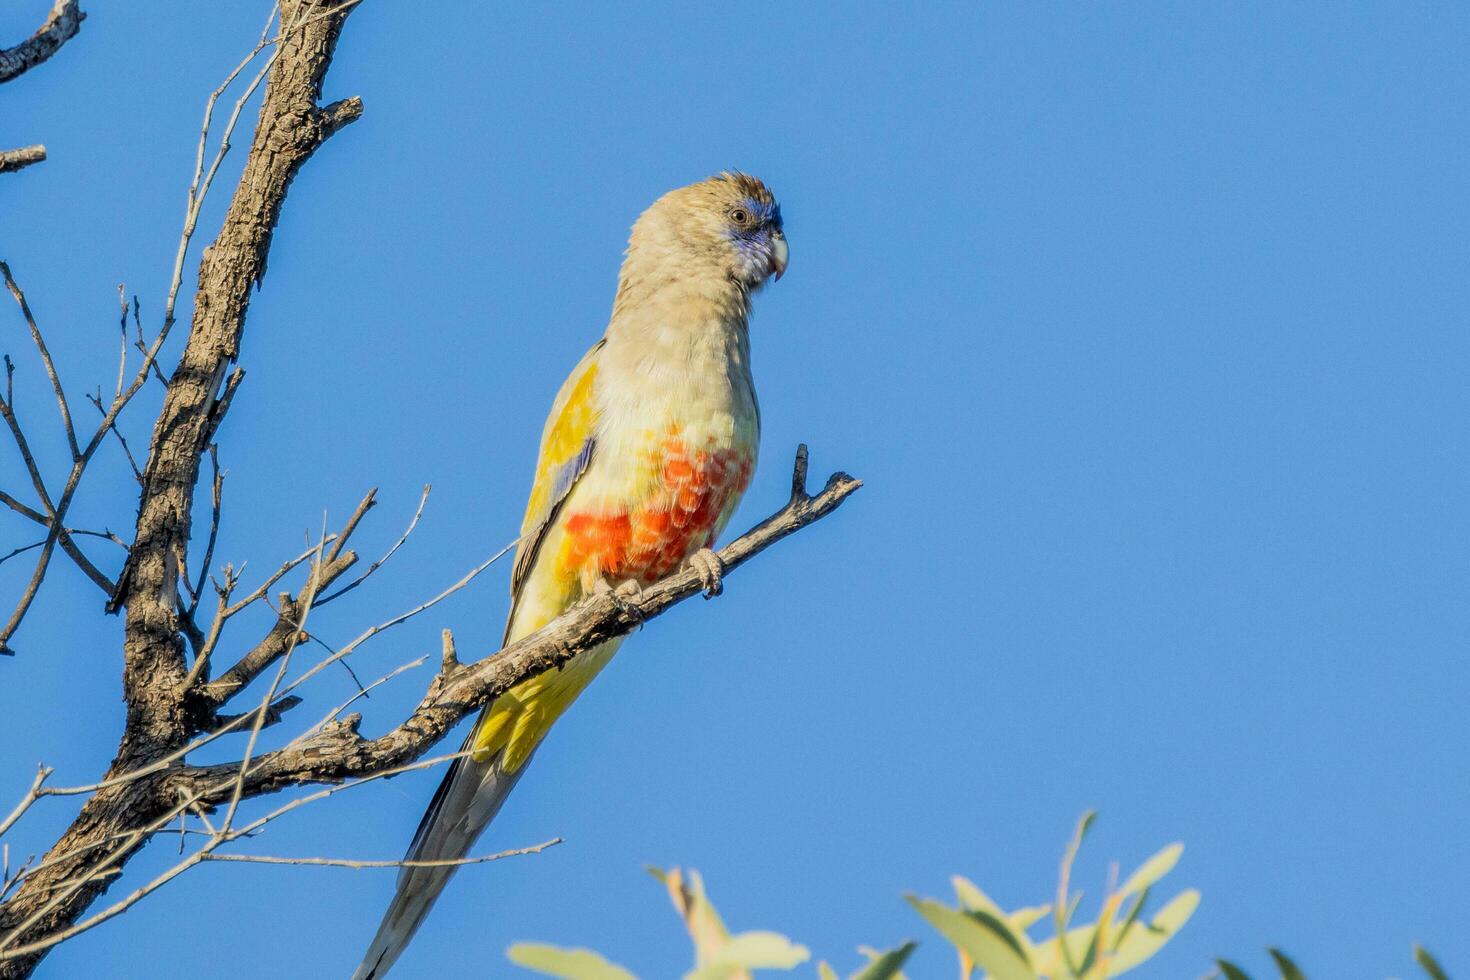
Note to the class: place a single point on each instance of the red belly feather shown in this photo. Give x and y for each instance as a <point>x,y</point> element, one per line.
<point>649,542</point>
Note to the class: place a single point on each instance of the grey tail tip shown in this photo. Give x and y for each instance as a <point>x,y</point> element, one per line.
<point>365,972</point>
<point>465,803</point>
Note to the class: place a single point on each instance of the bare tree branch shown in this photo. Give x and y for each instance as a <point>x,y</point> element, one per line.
<point>32,795</point>
<point>418,512</point>
<point>61,26</point>
<point>173,705</point>
<point>21,157</point>
<point>336,753</point>
<point>291,128</point>
<point>339,752</point>
<point>55,513</point>
<point>40,341</point>
<point>347,863</point>
<point>67,545</point>
<point>290,617</point>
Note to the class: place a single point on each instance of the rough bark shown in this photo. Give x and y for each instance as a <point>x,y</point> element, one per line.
<point>291,127</point>
<point>61,26</point>
<point>20,158</point>
<point>339,752</point>
<point>171,705</point>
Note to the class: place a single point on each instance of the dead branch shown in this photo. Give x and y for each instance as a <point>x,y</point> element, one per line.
<point>290,619</point>
<point>173,705</point>
<point>291,128</point>
<point>412,524</point>
<point>338,751</point>
<point>21,157</point>
<point>317,862</point>
<point>54,516</point>
<point>59,27</point>
<point>335,753</point>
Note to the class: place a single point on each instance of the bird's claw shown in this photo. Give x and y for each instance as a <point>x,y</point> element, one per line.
<point>711,571</point>
<point>626,594</point>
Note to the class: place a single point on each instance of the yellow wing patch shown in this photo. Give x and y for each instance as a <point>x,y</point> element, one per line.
<point>566,449</point>
<point>516,722</point>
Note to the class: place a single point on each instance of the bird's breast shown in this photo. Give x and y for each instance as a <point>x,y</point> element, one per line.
<point>676,447</point>
<point>686,490</point>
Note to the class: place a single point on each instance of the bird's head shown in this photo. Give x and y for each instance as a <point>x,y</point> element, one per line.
<point>728,225</point>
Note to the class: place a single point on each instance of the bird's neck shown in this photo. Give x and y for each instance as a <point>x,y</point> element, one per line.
<point>681,331</point>
<point>689,288</point>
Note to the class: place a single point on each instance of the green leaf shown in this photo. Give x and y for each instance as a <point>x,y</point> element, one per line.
<point>1120,932</point>
<point>1289,970</point>
<point>1430,964</point>
<point>988,941</point>
<point>1066,908</point>
<point>751,951</point>
<point>1023,919</point>
<point>886,965</point>
<point>1153,869</point>
<point>1047,953</point>
<point>1085,824</point>
<point>1230,971</point>
<point>705,927</point>
<point>825,972</point>
<point>972,898</point>
<point>569,964</point>
<point>1143,941</point>
<point>1139,943</point>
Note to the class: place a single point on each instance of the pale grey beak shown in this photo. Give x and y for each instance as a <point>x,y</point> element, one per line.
<point>780,252</point>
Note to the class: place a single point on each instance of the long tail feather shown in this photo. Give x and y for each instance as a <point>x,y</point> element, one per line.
<point>463,806</point>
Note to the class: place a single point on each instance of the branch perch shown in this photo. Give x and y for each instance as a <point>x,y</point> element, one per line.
<point>173,706</point>
<point>339,752</point>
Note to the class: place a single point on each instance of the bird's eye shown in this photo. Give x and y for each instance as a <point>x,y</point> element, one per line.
<point>740,216</point>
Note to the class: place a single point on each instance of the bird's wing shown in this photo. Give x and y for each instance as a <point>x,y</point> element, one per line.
<point>567,445</point>
<point>473,789</point>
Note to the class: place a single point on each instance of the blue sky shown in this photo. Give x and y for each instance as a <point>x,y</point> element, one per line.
<point>1145,325</point>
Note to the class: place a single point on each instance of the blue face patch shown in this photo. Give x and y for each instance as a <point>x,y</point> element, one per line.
<point>765,214</point>
<point>767,219</point>
<point>754,258</point>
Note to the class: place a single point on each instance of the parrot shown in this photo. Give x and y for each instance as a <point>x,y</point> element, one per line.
<point>650,444</point>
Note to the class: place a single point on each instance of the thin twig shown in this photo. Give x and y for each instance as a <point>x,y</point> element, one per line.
<point>401,618</point>
<point>96,400</point>
<point>32,795</point>
<point>308,592</point>
<point>418,512</point>
<point>46,361</point>
<point>348,863</point>
<point>265,587</point>
<point>362,692</point>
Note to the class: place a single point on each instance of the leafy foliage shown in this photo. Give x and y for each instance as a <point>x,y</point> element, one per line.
<point>718,955</point>
<point>998,943</point>
<point>991,942</point>
<point>1288,970</point>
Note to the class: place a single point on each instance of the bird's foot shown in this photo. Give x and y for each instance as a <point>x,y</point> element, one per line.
<point>627,595</point>
<point>711,571</point>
